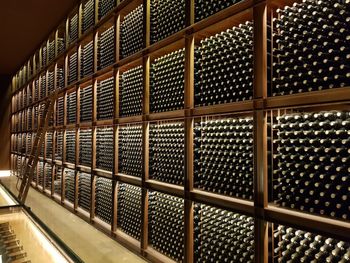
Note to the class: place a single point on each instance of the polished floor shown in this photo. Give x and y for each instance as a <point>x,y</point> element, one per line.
<point>86,241</point>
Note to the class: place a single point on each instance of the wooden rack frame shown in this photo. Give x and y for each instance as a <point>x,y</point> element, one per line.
<point>258,11</point>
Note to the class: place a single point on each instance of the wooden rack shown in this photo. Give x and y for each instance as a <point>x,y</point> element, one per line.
<point>258,11</point>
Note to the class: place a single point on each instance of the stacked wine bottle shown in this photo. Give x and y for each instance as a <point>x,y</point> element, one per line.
<point>69,185</point>
<point>35,176</point>
<point>312,162</point>
<point>44,57</point>
<point>59,145</point>
<point>129,210</point>
<point>87,59</point>
<point>70,146</point>
<point>24,139</point>
<point>131,35</point>
<point>60,111</point>
<point>166,224</point>
<point>104,199</point>
<point>311,47</point>
<point>29,118</point>
<point>167,82</point>
<point>222,236</point>
<point>51,52</point>
<point>130,150</point>
<point>84,191</point>
<point>85,147</point>
<point>30,96</point>
<point>41,112</point>
<point>293,245</point>
<point>224,67</point>
<point>88,14</point>
<point>35,122</point>
<point>167,152</point>
<point>48,176</point>
<point>29,142</point>
<point>131,89</point>
<point>105,95</point>
<point>60,45</point>
<point>106,48</point>
<point>73,68</point>
<point>71,107</point>
<point>104,148</point>
<point>42,150</point>
<point>73,28</point>
<point>86,104</point>
<point>36,90</point>
<point>105,6</point>
<point>167,18</point>
<point>60,78</point>
<point>49,145</point>
<point>42,87</point>
<point>57,183</point>
<point>41,173</point>
<point>206,8</point>
<point>51,82</point>
<point>223,156</point>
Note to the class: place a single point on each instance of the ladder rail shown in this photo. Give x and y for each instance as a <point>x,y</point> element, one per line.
<point>33,159</point>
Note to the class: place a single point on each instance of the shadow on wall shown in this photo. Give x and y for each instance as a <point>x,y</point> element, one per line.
<point>5,121</point>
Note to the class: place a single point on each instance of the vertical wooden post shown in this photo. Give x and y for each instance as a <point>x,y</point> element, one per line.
<point>80,20</point>
<point>40,59</point>
<point>65,108</point>
<point>63,186</point>
<point>145,153</point>
<point>115,205</point>
<point>78,104</point>
<point>146,23</point>
<point>93,197</point>
<point>67,38</point>
<point>56,43</point>
<point>79,58</point>
<point>66,73</point>
<point>116,112</point>
<point>117,37</point>
<point>189,104</point>
<point>260,132</point>
<point>115,172</point>
<point>76,189</point>
<point>189,12</point>
<point>95,51</point>
<point>94,143</point>
<point>77,146</point>
<point>97,7</point>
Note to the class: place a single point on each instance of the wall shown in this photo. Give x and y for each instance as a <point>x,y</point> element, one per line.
<point>5,113</point>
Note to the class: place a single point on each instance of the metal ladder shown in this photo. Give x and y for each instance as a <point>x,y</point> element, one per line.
<point>28,171</point>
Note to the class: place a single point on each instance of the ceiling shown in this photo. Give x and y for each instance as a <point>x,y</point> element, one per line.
<point>25,25</point>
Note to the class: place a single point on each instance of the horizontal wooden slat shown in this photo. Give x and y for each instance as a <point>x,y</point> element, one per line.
<point>129,179</point>
<point>224,202</point>
<point>224,108</point>
<point>309,98</point>
<point>313,223</point>
<point>170,189</point>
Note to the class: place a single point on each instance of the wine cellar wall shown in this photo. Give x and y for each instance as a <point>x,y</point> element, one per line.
<point>197,130</point>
